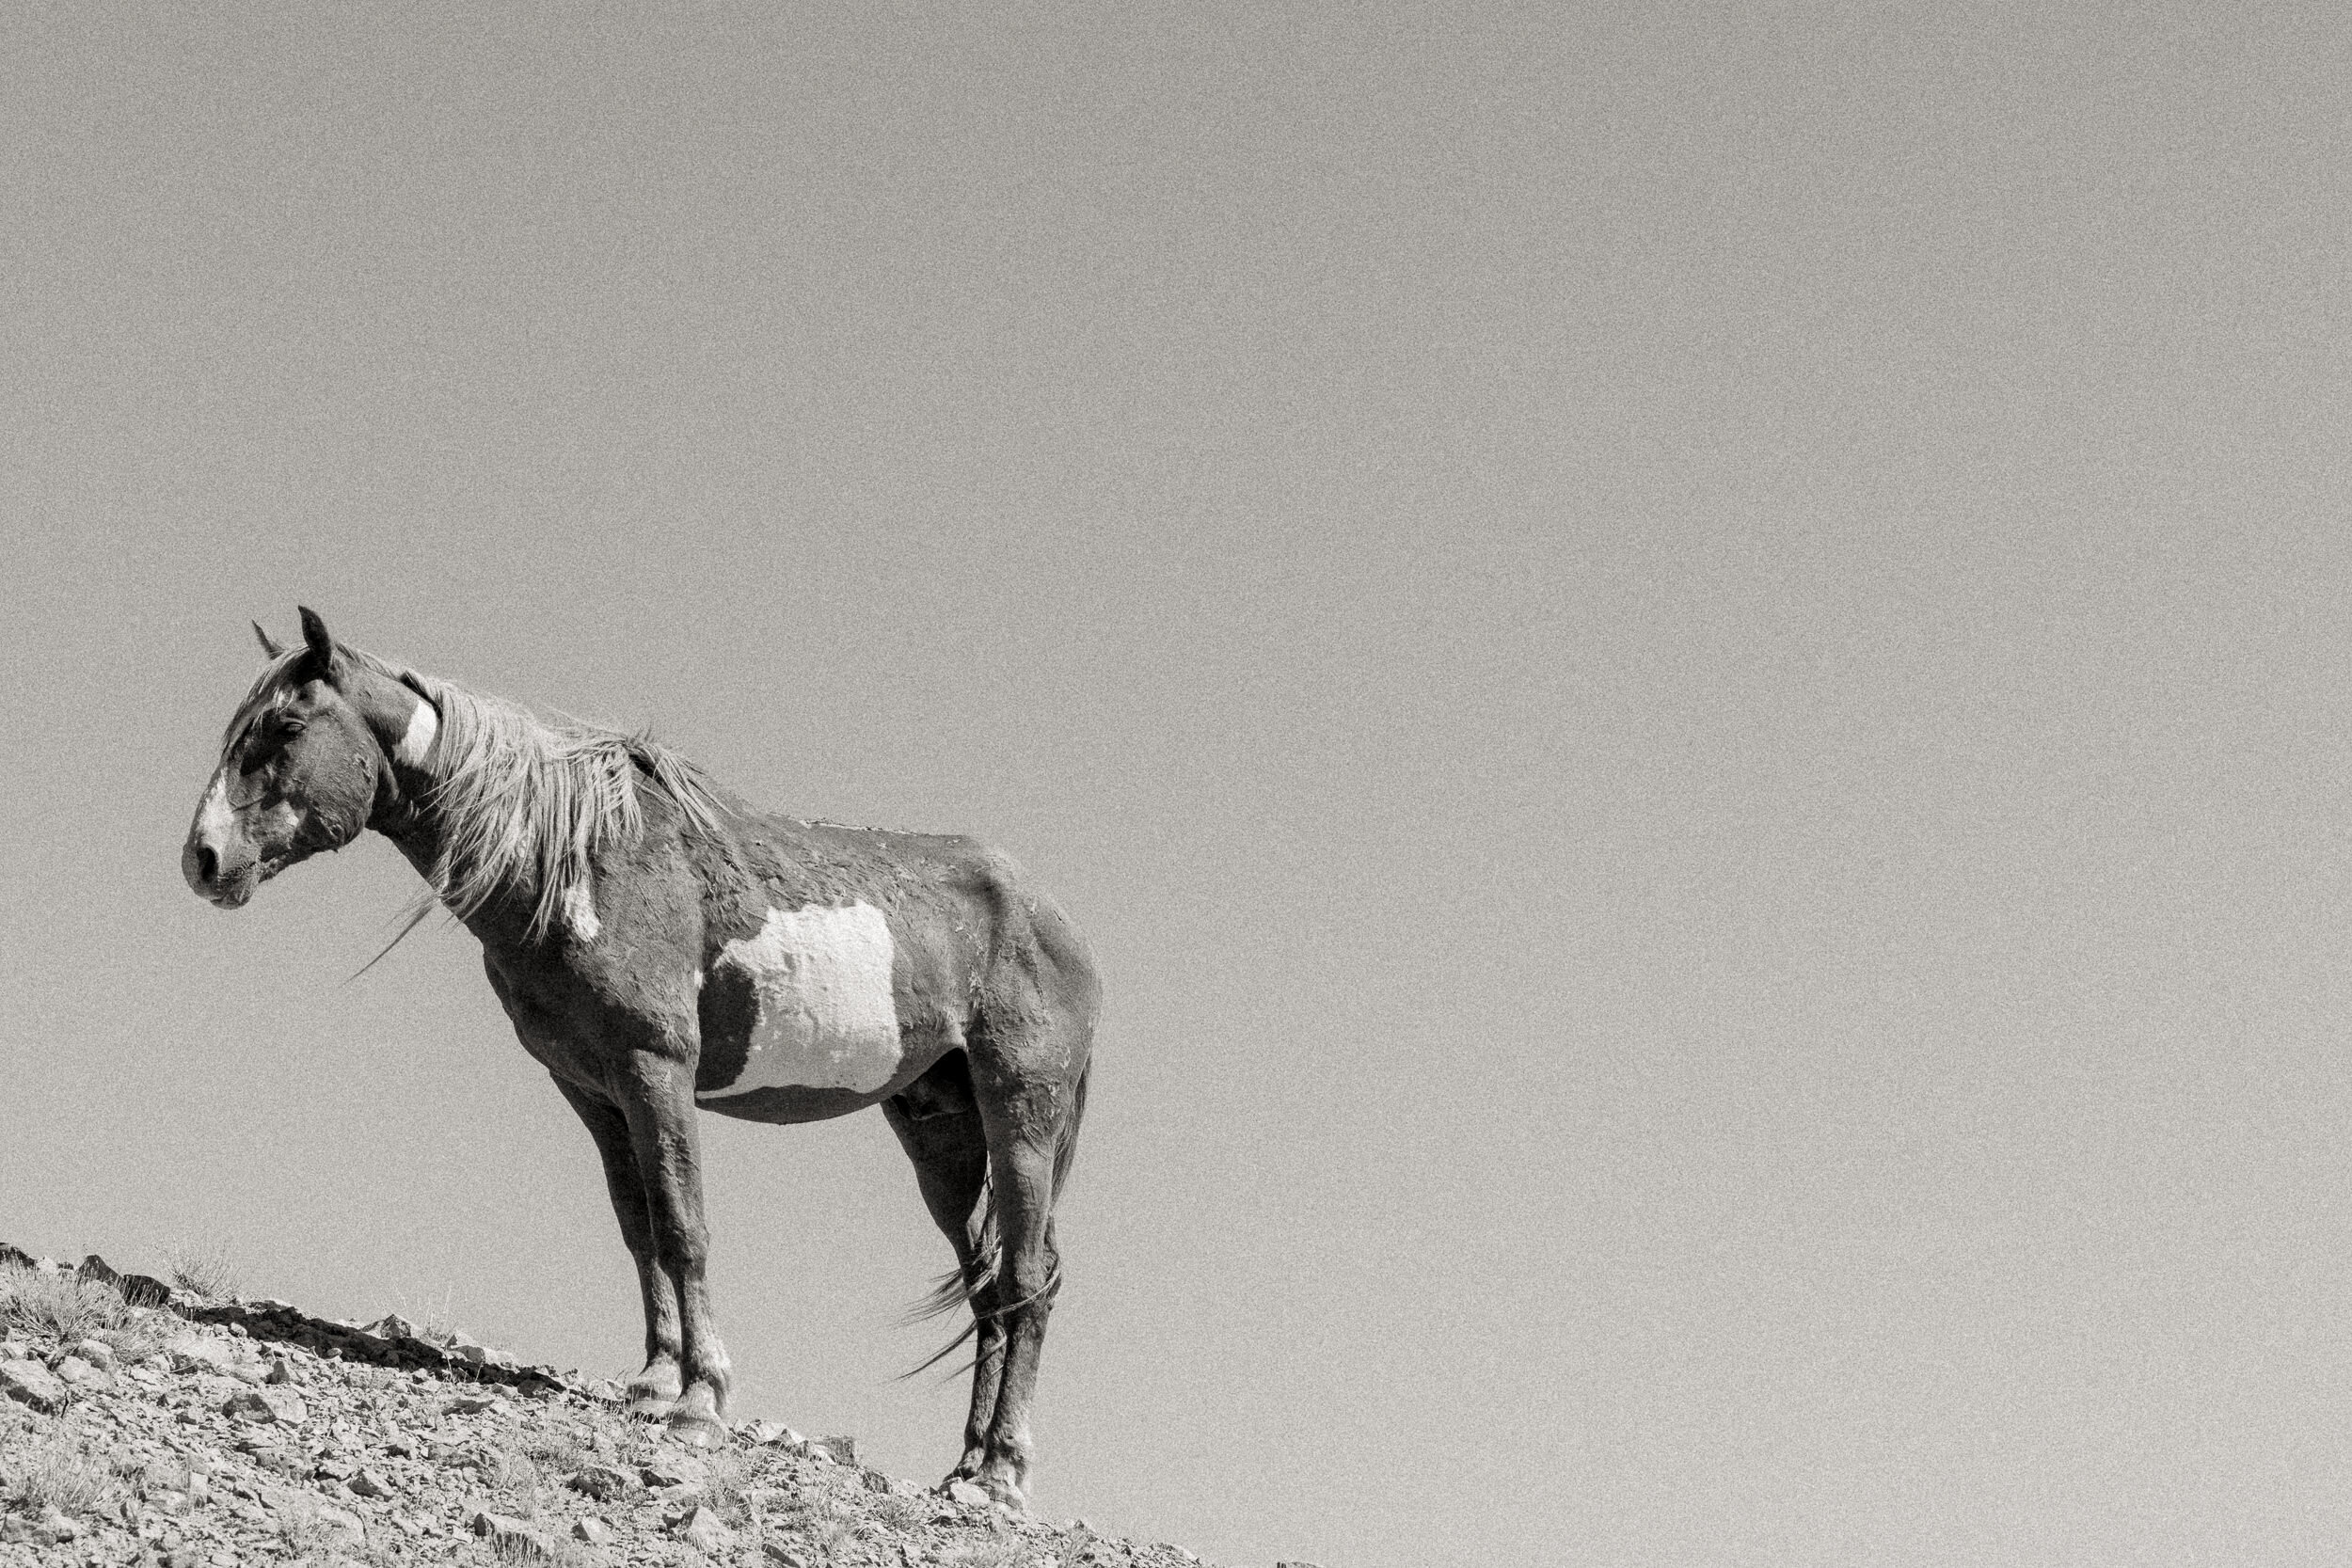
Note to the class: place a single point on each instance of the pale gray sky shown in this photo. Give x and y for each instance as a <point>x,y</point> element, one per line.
<point>1687,663</point>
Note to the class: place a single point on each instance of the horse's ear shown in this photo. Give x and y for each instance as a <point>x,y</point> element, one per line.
<point>270,645</point>
<point>319,658</point>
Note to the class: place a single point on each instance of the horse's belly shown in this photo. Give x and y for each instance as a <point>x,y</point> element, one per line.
<point>805,1002</point>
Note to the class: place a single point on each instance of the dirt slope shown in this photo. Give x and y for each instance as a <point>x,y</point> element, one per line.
<point>140,1424</point>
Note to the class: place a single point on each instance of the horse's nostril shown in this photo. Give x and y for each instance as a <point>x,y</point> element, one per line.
<point>207,865</point>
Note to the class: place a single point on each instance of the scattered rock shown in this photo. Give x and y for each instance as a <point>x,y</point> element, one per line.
<point>30,1383</point>
<point>704,1530</point>
<point>511,1539</point>
<point>342,1522</point>
<point>197,1352</point>
<point>680,1470</point>
<point>841,1450</point>
<point>266,1406</point>
<point>601,1483</point>
<point>142,1289</point>
<point>407,1456</point>
<point>964,1494</point>
<point>80,1375</point>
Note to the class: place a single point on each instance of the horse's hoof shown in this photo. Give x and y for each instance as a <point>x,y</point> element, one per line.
<point>653,1393</point>
<point>1005,1493</point>
<point>695,1422</point>
<point>692,1431</point>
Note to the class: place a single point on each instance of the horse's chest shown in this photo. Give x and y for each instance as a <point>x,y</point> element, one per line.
<point>804,1002</point>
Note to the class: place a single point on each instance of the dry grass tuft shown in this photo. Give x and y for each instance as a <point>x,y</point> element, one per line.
<point>64,1303</point>
<point>899,1513</point>
<point>141,1336</point>
<point>520,1548</point>
<point>558,1451</point>
<point>71,1482</point>
<point>726,1476</point>
<point>203,1268</point>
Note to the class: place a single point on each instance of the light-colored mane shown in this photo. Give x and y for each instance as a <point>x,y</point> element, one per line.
<point>524,806</point>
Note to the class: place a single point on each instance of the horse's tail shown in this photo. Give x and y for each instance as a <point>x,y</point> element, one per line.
<point>958,1287</point>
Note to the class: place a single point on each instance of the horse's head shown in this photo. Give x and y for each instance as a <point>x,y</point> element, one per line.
<point>305,764</point>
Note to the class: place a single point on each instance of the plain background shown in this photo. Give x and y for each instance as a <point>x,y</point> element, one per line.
<point>1687,663</point>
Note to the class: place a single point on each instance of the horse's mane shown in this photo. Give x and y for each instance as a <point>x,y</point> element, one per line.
<point>523,804</point>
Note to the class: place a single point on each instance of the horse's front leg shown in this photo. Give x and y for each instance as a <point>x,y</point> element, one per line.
<point>657,1095</point>
<point>654,1390</point>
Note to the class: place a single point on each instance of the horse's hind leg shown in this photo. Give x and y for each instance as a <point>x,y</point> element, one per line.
<point>1029,1277</point>
<point>939,1127</point>
<point>1031,1086</point>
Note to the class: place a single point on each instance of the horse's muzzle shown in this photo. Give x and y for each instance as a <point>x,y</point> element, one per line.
<point>200,865</point>
<point>220,865</point>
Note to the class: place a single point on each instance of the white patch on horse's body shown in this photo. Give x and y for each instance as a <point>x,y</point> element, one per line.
<point>825,1017</point>
<point>415,742</point>
<point>580,913</point>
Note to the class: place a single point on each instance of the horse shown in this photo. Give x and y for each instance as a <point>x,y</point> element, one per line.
<point>662,946</point>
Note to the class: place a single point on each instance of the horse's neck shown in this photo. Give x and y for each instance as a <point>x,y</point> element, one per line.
<point>417,840</point>
<point>416,833</point>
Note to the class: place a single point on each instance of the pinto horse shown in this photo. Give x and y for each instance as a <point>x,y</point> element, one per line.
<point>660,945</point>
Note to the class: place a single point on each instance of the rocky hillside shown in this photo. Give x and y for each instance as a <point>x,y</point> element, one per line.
<point>145,1423</point>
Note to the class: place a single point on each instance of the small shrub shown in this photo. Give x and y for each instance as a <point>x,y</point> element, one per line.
<point>508,1466</point>
<point>433,1325</point>
<point>139,1336</point>
<point>831,1540</point>
<point>64,1303</point>
<point>71,1482</point>
<point>520,1548</point>
<point>203,1268</point>
<point>899,1513</point>
<point>725,1475</point>
<point>558,1451</point>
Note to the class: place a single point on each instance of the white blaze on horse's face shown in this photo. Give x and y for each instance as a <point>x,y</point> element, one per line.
<point>214,817</point>
<point>824,1014</point>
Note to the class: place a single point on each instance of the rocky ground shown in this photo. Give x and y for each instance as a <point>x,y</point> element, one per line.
<point>153,1424</point>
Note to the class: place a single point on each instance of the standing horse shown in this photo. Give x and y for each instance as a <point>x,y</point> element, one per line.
<point>661,945</point>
